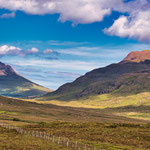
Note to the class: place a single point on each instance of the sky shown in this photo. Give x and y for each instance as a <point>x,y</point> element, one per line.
<point>52,42</point>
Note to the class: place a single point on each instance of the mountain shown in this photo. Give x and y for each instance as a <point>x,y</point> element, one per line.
<point>130,76</point>
<point>14,85</point>
<point>137,56</point>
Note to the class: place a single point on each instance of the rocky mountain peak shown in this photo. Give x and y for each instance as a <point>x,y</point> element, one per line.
<point>6,69</point>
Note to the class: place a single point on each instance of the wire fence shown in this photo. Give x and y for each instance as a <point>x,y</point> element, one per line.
<point>73,145</point>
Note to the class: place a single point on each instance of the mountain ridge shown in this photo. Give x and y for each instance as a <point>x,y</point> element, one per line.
<point>109,79</point>
<point>14,85</point>
<point>6,69</point>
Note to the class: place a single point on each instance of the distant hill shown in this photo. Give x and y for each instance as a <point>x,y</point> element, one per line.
<point>130,76</point>
<point>14,85</point>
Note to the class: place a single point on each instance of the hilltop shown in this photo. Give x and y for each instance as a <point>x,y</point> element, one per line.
<point>137,56</point>
<point>14,85</point>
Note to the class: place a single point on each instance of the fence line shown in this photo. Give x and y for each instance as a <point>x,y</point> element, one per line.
<point>58,140</point>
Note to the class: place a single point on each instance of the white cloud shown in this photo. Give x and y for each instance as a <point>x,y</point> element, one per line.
<point>48,51</point>
<point>12,50</point>
<point>89,11</point>
<point>9,50</point>
<point>8,15</point>
<point>78,11</point>
<point>33,50</point>
<point>135,26</point>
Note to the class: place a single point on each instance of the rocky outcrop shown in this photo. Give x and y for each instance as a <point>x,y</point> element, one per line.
<point>6,69</point>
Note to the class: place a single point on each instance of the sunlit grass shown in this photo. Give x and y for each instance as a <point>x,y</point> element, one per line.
<point>8,113</point>
<point>34,86</point>
<point>138,115</point>
<point>104,101</point>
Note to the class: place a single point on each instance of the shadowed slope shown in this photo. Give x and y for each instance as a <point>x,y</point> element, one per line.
<point>14,85</point>
<point>125,77</point>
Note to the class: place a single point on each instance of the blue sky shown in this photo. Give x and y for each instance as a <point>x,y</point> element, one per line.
<point>54,42</point>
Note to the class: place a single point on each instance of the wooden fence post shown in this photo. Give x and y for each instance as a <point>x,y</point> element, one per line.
<point>53,138</point>
<point>58,140</point>
<point>68,143</point>
<point>76,144</point>
<point>85,147</point>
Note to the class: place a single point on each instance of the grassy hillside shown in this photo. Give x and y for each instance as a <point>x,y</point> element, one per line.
<point>128,78</point>
<point>133,106</point>
<point>32,112</point>
<point>17,86</point>
<point>103,128</point>
<point>106,136</point>
<point>11,140</point>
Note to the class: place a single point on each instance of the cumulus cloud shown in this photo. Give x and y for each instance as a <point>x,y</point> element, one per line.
<point>8,15</point>
<point>136,25</point>
<point>33,50</point>
<point>133,25</point>
<point>77,11</point>
<point>9,50</point>
<point>6,50</point>
<point>12,50</point>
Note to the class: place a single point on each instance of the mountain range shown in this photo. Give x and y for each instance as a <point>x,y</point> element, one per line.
<point>130,76</point>
<point>15,85</point>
